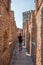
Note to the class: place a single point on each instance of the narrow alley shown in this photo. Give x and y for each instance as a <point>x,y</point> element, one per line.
<point>21,57</point>
<point>21,32</point>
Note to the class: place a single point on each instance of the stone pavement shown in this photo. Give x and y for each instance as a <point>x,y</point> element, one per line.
<point>21,57</point>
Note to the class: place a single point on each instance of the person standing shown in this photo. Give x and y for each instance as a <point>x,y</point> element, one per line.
<point>20,41</point>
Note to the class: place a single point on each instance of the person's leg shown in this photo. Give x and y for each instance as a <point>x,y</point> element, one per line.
<point>20,46</point>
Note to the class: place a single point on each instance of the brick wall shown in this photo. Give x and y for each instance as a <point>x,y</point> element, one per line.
<point>33,37</point>
<point>36,33</point>
<point>8,31</point>
<point>39,54</point>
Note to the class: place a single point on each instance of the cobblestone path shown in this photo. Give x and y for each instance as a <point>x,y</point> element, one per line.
<point>21,57</point>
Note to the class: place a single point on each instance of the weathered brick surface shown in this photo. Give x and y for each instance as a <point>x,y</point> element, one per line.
<point>3,27</point>
<point>36,33</point>
<point>42,36</point>
<point>8,32</point>
<point>25,34</point>
<point>39,55</point>
<point>6,57</point>
<point>33,36</point>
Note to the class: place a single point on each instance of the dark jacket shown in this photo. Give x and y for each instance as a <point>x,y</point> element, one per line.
<point>20,39</point>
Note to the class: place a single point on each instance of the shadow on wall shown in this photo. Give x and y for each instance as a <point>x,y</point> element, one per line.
<point>42,36</point>
<point>5,41</point>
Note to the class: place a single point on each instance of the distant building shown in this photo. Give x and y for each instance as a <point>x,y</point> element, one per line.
<point>19,30</point>
<point>26,16</point>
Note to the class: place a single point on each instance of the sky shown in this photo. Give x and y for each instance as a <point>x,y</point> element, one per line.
<point>20,6</point>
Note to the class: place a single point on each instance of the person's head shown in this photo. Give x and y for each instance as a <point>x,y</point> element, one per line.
<point>20,34</point>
